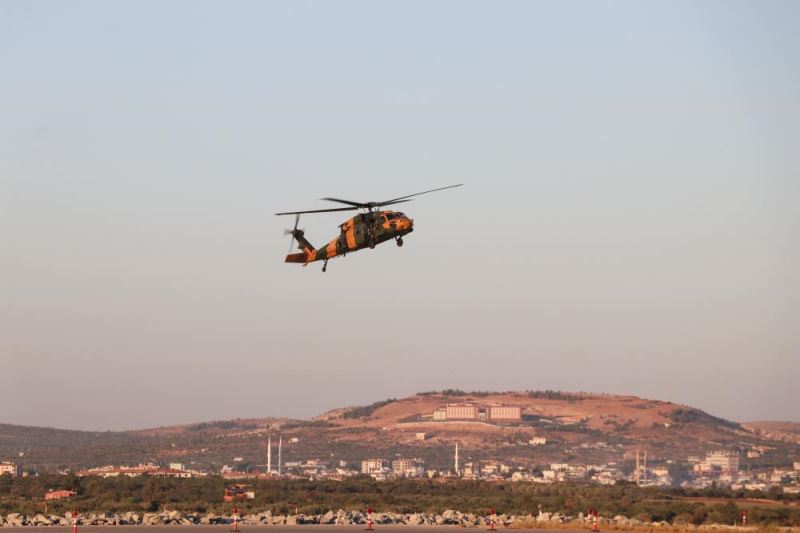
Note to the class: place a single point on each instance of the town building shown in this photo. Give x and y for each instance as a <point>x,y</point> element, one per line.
<point>408,467</point>
<point>721,460</point>
<point>116,471</point>
<point>7,467</point>
<point>171,472</point>
<point>374,466</point>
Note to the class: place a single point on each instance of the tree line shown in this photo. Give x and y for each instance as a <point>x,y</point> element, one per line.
<point>202,495</point>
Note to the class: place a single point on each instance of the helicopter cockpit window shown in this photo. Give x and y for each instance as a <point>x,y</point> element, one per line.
<point>390,216</point>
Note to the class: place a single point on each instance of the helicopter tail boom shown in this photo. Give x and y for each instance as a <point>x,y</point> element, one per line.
<point>301,257</point>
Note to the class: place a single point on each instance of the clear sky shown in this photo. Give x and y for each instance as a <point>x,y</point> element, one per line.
<point>629,222</point>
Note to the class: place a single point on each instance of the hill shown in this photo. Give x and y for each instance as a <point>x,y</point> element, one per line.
<point>577,427</point>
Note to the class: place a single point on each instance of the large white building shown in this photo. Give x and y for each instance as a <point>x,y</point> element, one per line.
<point>504,412</point>
<point>461,411</point>
<point>468,411</point>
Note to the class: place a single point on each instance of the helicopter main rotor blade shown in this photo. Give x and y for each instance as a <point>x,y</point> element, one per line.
<point>394,200</point>
<point>348,202</point>
<point>318,211</point>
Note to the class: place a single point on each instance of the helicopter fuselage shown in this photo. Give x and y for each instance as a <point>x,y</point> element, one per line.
<point>365,230</point>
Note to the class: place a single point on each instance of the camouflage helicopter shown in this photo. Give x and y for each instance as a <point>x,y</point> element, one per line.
<point>365,230</point>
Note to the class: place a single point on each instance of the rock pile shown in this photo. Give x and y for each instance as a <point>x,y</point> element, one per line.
<point>448,517</point>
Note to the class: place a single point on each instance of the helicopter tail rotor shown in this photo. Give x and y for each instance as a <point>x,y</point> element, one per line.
<point>293,232</point>
<point>299,236</point>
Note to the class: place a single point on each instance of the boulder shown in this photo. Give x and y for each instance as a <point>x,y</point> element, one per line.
<point>16,519</point>
<point>151,519</point>
<point>415,520</point>
<point>40,520</point>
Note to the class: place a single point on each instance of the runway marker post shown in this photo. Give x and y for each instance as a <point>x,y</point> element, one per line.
<point>492,518</point>
<point>369,520</point>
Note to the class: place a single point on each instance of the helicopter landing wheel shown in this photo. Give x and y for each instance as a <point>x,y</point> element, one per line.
<point>399,241</point>
<point>371,244</point>
<point>325,265</point>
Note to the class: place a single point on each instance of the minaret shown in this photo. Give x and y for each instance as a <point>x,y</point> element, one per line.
<point>269,455</point>
<point>645,467</point>
<point>456,458</point>
<point>280,445</point>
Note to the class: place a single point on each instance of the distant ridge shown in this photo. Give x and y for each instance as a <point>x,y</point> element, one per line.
<point>583,425</point>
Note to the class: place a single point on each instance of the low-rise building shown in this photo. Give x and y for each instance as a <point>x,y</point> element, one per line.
<point>59,494</point>
<point>7,467</point>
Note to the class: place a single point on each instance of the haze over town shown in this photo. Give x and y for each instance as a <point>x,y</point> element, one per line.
<point>628,222</point>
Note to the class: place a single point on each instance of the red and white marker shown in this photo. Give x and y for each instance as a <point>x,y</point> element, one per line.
<point>595,526</point>
<point>369,520</point>
<point>744,518</point>
<point>235,519</point>
<point>492,519</point>
<point>74,521</point>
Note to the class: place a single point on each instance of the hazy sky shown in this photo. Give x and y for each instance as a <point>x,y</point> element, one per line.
<point>629,222</point>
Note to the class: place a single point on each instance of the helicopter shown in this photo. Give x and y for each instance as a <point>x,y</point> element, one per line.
<point>365,230</point>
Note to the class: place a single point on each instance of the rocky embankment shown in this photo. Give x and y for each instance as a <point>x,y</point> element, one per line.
<point>451,518</point>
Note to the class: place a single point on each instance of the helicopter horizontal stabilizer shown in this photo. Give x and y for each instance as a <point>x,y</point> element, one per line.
<point>301,257</point>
